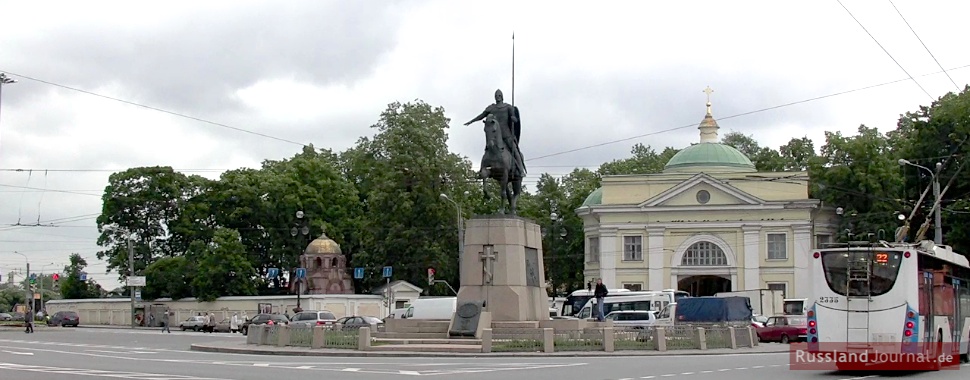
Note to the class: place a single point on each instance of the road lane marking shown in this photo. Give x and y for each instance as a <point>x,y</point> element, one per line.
<point>100,373</point>
<point>412,373</point>
<point>351,369</point>
<point>19,353</point>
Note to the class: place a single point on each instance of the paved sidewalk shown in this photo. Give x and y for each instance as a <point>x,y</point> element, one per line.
<point>243,348</point>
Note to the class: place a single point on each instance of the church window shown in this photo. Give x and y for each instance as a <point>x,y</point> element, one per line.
<point>317,263</point>
<point>333,263</point>
<point>703,197</point>
<point>777,247</point>
<point>593,255</point>
<point>783,286</point>
<point>704,254</point>
<point>632,248</point>
<point>823,241</point>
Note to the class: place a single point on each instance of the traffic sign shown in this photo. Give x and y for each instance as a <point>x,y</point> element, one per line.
<point>358,273</point>
<point>272,272</point>
<point>84,276</point>
<point>33,276</point>
<point>387,271</point>
<point>301,273</point>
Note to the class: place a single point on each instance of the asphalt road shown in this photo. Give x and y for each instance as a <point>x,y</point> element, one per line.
<point>125,354</point>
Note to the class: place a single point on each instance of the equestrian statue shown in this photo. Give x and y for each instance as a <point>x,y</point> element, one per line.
<point>502,160</point>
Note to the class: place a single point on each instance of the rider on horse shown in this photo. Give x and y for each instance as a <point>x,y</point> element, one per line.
<point>508,119</point>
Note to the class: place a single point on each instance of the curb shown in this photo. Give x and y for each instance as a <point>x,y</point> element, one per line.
<point>355,353</point>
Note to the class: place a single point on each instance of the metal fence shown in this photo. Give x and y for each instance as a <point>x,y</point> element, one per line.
<point>634,338</point>
<point>681,337</point>
<point>347,338</point>
<point>517,340</point>
<point>578,340</point>
<point>301,336</point>
<point>718,337</point>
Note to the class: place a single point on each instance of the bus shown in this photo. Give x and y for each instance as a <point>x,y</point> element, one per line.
<point>633,300</point>
<point>575,301</point>
<point>904,294</point>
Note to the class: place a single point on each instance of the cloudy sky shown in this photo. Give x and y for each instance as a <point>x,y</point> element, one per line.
<point>218,85</point>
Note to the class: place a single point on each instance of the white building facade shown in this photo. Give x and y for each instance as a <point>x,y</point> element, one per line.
<point>709,223</point>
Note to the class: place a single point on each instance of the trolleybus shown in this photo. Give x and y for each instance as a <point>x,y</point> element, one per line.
<point>914,297</point>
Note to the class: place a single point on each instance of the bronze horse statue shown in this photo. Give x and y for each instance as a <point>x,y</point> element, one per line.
<point>498,164</point>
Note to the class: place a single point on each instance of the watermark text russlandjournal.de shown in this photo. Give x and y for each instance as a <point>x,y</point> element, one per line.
<point>882,356</point>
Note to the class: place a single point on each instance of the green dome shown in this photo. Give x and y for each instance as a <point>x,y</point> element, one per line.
<point>716,156</point>
<point>594,198</point>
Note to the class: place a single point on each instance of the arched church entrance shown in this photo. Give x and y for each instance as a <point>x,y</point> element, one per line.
<point>704,270</point>
<point>704,285</point>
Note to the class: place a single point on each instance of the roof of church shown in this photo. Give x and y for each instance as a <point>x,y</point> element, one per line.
<point>594,198</point>
<point>709,155</point>
<point>321,246</point>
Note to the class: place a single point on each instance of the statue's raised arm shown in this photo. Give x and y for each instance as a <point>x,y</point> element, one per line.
<point>479,117</point>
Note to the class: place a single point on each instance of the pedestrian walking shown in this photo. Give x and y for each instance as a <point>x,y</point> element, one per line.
<point>165,327</point>
<point>211,323</point>
<point>600,295</point>
<point>234,323</point>
<point>29,322</point>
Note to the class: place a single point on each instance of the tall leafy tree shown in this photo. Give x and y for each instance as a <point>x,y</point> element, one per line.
<point>146,202</point>
<point>71,285</point>
<point>222,267</point>
<point>645,160</point>
<point>934,134</point>
<point>400,175</point>
<point>860,174</point>
<point>169,277</point>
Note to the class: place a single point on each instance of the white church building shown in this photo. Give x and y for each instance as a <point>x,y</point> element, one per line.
<point>709,223</point>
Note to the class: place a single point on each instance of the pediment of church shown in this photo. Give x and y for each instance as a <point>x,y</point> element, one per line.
<point>702,190</point>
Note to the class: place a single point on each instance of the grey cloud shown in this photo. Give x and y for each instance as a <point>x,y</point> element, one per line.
<point>195,65</point>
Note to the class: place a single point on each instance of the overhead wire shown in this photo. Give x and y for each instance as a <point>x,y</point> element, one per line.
<point>886,51</point>
<point>924,45</point>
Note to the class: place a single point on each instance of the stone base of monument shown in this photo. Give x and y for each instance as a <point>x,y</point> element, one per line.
<point>502,267</point>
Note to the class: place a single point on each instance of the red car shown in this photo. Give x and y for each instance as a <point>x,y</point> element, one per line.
<point>784,329</point>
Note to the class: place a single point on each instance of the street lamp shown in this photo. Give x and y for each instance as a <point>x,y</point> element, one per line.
<point>29,299</point>
<point>937,219</point>
<point>301,229</point>
<point>4,80</point>
<point>461,233</point>
<point>131,268</point>
<point>556,222</point>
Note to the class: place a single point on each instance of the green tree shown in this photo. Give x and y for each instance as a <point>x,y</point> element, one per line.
<point>9,297</point>
<point>933,134</point>
<point>169,277</point>
<point>71,285</point>
<point>861,175</point>
<point>222,267</point>
<point>400,175</point>
<point>645,160</point>
<point>797,153</point>
<point>763,158</point>
<point>146,202</point>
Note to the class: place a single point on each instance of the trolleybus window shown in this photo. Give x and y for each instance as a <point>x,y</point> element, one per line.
<point>884,267</point>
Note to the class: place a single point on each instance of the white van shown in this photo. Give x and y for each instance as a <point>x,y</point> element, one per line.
<point>432,308</point>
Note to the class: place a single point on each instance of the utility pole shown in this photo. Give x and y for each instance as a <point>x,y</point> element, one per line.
<point>131,272</point>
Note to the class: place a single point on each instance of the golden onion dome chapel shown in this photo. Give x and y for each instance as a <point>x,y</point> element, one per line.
<point>709,223</point>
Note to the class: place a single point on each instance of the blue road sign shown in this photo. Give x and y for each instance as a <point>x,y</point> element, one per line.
<point>301,273</point>
<point>272,272</point>
<point>358,273</point>
<point>33,276</point>
<point>84,276</point>
<point>387,271</point>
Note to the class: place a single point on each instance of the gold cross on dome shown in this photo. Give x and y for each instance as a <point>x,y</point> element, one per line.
<point>708,91</point>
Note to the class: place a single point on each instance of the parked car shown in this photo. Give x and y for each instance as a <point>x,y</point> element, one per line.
<point>64,318</point>
<point>784,329</point>
<point>356,322</point>
<point>192,323</point>
<point>313,318</point>
<point>758,321</point>
<point>637,319</point>
<point>5,317</point>
<point>262,319</point>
